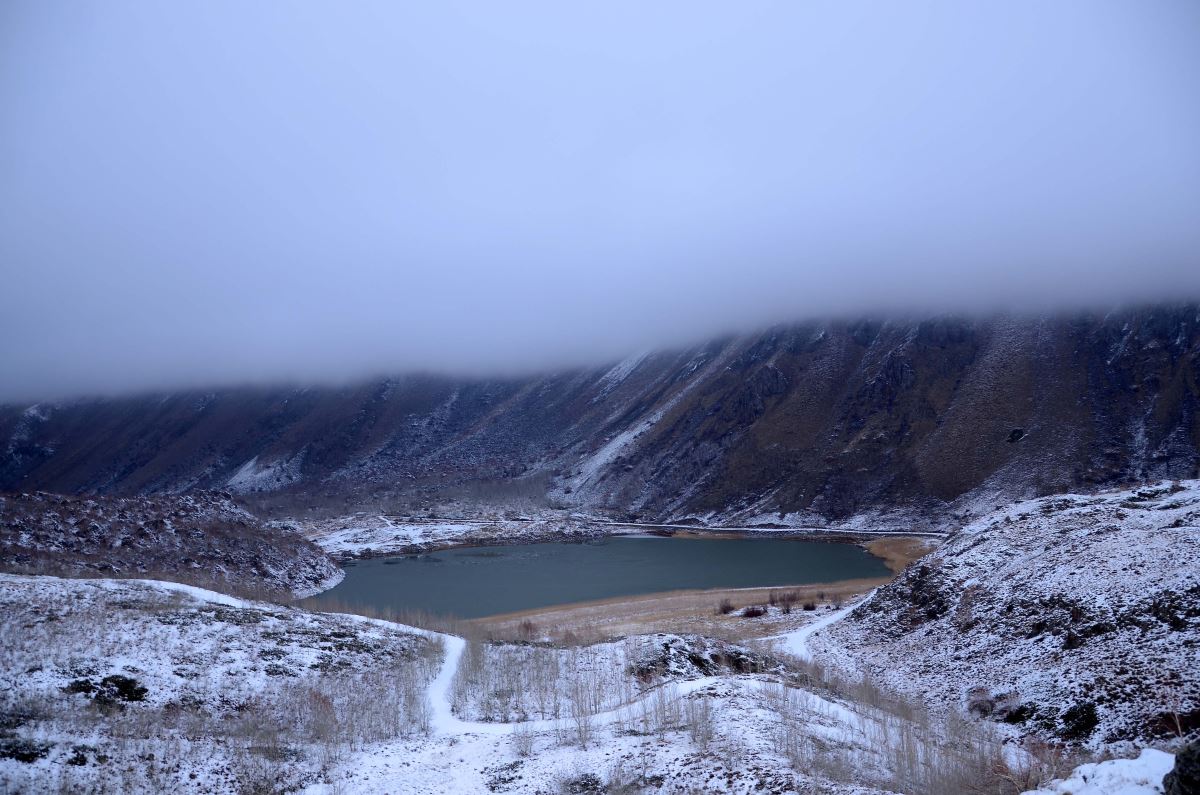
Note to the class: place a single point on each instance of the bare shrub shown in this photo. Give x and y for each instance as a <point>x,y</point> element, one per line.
<point>902,750</point>
<point>522,740</point>
<point>665,709</point>
<point>754,611</point>
<point>699,719</point>
<point>725,607</point>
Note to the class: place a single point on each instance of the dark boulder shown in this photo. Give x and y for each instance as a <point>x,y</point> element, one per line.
<point>1185,778</point>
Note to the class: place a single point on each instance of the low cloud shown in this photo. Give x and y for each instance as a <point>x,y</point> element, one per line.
<point>229,192</point>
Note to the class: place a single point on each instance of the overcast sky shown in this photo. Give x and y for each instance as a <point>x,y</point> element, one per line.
<point>206,192</point>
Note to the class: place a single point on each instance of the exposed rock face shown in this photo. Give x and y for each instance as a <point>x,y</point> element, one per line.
<point>798,424</point>
<point>200,539</point>
<point>1184,779</point>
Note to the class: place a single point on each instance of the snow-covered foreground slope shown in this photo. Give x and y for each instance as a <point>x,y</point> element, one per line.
<point>128,686</point>
<point>122,686</point>
<point>1077,616</point>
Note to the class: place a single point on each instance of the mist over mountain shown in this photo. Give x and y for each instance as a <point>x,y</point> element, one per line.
<point>815,422</point>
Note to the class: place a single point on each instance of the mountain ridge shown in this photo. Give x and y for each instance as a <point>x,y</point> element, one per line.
<point>810,421</point>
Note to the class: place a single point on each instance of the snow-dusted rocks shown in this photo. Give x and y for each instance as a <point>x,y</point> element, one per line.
<point>203,538</point>
<point>376,535</point>
<point>1076,616</point>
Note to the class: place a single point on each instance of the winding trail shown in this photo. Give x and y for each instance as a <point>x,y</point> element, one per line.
<point>444,721</point>
<point>796,643</point>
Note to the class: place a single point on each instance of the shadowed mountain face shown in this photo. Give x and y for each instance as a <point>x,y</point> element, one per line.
<point>821,419</point>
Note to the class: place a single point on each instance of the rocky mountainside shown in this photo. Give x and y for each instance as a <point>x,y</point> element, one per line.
<point>201,538</point>
<point>797,425</point>
<point>1076,616</point>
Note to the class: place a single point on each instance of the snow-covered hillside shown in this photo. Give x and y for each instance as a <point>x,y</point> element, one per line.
<point>146,686</point>
<point>375,535</point>
<point>1076,615</point>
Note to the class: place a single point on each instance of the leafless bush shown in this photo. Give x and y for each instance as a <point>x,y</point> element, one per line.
<point>911,754</point>
<point>516,682</point>
<point>665,709</point>
<point>725,607</point>
<point>522,740</point>
<point>754,611</point>
<point>699,719</point>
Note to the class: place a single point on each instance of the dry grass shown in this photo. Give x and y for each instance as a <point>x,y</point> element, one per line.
<point>680,612</point>
<point>900,551</point>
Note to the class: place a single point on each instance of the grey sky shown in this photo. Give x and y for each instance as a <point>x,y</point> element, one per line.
<point>205,192</point>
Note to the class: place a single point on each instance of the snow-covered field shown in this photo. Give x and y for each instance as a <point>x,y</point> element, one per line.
<point>118,686</point>
<point>1140,776</point>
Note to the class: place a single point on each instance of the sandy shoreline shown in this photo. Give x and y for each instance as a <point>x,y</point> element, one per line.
<point>690,611</point>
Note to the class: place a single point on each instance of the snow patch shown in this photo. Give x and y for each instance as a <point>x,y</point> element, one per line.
<point>253,476</point>
<point>1141,776</point>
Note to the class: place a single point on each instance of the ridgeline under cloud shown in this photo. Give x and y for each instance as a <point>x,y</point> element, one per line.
<point>220,192</point>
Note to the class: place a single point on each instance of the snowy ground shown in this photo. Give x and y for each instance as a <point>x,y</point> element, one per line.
<point>1140,776</point>
<point>376,535</point>
<point>117,686</point>
<point>127,685</point>
<point>145,686</point>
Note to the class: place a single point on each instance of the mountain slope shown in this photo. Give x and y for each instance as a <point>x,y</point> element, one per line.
<point>798,424</point>
<point>1074,615</point>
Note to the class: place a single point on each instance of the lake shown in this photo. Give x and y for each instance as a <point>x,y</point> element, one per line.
<point>470,582</point>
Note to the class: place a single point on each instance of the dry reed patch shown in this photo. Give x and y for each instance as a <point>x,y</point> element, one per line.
<point>674,612</point>
<point>898,552</point>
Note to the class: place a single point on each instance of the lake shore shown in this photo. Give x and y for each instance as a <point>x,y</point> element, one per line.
<point>693,610</point>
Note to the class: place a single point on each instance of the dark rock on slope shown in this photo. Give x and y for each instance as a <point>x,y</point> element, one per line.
<point>1184,779</point>
<point>200,539</point>
<point>815,421</point>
